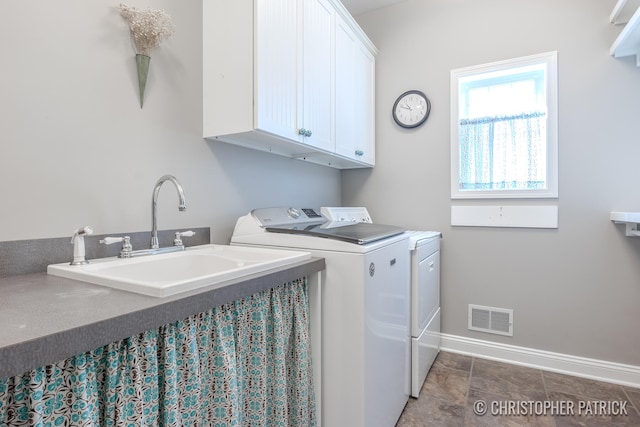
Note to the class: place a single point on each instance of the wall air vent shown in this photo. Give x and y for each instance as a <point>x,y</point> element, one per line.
<point>490,319</point>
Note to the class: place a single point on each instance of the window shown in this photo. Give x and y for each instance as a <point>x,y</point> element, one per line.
<point>504,129</point>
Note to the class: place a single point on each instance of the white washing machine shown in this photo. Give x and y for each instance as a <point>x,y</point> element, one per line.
<point>425,304</point>
<point>364,310</point>
<point>424,247</point>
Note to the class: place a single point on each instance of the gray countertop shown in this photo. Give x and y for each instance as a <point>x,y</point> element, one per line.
<point>45,319</point>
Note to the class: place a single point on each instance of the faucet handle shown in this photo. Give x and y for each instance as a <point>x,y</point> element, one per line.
<point>178,234</point>
<point>125,252</point>
<point>111,240</point>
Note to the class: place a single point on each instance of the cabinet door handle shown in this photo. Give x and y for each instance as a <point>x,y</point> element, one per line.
<point>308,133</point>
<point>302,132</point>
<point>359,152</point>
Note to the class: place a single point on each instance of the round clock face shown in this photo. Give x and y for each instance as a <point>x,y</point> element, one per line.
<point>411,109</point>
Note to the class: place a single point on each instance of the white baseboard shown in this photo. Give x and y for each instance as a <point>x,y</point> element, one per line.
<point>600,370</point>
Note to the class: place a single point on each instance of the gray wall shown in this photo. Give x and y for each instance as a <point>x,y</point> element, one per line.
<point>574,290</point>
<point>76,149</point>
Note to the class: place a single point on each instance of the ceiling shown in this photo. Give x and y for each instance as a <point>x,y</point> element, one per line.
<point>357,7</point>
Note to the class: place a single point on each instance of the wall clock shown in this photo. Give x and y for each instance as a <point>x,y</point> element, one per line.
<point>411,109</point>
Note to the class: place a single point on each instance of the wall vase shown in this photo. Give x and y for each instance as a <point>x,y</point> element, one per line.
<point>142,63</point>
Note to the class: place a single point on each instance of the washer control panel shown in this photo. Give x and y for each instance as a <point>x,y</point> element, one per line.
<point>349,214</point>
<point>310,213</point>
<point>293,213</point>
<point>287,216</point>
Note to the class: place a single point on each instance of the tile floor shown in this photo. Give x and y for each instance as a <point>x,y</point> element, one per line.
<point>456,382</point>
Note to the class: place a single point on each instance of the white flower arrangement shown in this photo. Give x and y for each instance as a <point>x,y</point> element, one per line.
<point>148,27</point>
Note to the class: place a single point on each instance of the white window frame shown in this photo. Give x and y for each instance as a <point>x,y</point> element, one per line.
<point>551,191</point>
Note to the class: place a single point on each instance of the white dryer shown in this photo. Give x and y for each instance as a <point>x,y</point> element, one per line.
<point>425,304</point>
<point>364,306</point>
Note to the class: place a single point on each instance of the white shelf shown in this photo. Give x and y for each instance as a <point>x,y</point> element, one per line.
<point>628,42</point>
<point>623,11</point>
<point>630,220</point>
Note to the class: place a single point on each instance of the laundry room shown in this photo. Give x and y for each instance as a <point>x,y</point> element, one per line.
<point>102,157</point>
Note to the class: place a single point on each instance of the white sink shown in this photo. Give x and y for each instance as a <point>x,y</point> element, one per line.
<point>168,274</point>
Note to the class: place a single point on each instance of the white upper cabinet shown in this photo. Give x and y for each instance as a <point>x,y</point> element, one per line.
<point>365,148</point>
<point>317,73</point>
<point>293,70</point>
<point>276,66</point>
<point>346,45</point>
<point>271,80</point>
<point>355,90</point>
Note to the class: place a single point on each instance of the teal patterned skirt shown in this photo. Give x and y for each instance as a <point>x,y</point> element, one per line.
<point>246,363</point>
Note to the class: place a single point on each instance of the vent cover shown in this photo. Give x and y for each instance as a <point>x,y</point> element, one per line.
<point>490,319</point>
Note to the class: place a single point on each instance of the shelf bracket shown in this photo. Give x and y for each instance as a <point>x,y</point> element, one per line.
<point>630,221</point>
<point>631,229</point>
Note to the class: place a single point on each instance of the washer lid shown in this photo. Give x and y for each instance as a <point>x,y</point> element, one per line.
<point>309,222</point>
<point>359,233</point>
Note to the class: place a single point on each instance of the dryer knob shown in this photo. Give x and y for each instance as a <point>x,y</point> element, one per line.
<point>293,213</point>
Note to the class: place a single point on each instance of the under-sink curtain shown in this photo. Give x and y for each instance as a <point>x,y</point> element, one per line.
<point>246,363</point>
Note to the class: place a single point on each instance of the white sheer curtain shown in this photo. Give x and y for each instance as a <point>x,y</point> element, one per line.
<point>507,152</point>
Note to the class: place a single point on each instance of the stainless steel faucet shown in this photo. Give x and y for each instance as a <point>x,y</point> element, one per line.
<point>154,206</point>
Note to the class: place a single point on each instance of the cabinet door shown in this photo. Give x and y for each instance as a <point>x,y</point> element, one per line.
<point>317,72</point>
<point>355,73</point>
<point>365,109</point>
<point>346,125</point>
<point>276,67</point>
